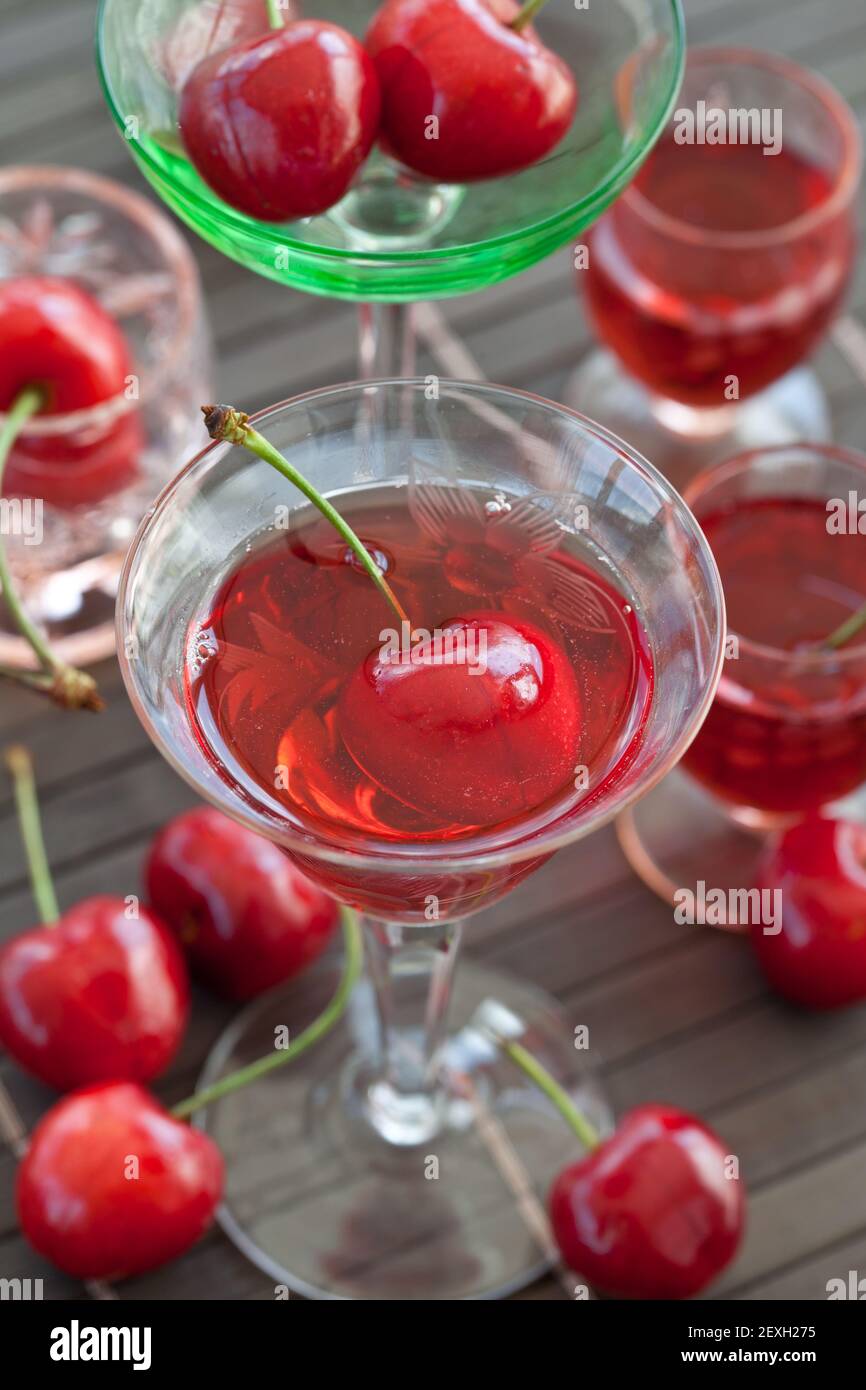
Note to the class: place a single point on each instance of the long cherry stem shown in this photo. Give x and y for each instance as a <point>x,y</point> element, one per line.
<point>20,765</point>
<point>275,13</point>
<point>527,14</point>
<point>225,423</point>
<point>531,1067</point>
<point>318,1028</point>
<point>845,631</point>
<point>71,688</point>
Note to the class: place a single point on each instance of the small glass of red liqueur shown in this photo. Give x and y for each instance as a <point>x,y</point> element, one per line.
<point>78,481</point>
<point>719,271</point>
<point>786,734</point>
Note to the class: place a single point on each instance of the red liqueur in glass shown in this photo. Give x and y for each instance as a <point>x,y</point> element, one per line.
<point>786,733</point>
<point>282,672</point>
<point>708,269</point>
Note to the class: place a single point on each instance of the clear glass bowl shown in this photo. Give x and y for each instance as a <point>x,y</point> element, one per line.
<point>66,555</point>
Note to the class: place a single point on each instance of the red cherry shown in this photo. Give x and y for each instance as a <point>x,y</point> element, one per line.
<point>650,1213</point>
<point>98,996</point>
<point>209,27</point>
<point>279,125</point>
<point>56,336</point>
<point>819,957</point>
<point>112,1185</point>
<point>477,748</point>
<point>247,916</point>
<point>502,99</point>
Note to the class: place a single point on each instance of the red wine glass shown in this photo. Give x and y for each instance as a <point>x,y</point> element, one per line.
<point>719,271</point>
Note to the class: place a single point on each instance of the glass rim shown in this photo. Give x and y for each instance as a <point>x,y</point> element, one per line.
<point>405,858</point>
<point>742,463</point>
<point>181,266</point>
<point>602,193</point>
<point>844,185</point>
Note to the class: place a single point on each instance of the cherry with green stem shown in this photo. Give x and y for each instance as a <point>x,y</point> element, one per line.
<point>64,684</point>
<point>97,993</point>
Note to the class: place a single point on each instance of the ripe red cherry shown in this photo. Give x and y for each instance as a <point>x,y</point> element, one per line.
<point>112,1185</point>
<point>475,749</point>
<point>650,1213</point>
<point>502,99</point>
<point>819,957</point>
<point>248,918</point>
<point>97,996</point>
<point>279,125</point>
<point>56,336</point>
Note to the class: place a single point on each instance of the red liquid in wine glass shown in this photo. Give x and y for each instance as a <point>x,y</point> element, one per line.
<point>785,735</point>
<point>684,314</point>
<point>294,620</point>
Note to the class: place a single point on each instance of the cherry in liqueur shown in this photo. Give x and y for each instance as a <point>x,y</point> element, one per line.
<point>527,687</point>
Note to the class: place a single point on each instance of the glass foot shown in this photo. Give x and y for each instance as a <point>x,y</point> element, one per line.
<point>680,440</point>
<point>678,836</point>
<point>323,1204</point>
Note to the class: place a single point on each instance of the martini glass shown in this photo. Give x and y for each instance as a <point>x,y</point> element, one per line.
<point>359,1170</point>
<point>396,238</point>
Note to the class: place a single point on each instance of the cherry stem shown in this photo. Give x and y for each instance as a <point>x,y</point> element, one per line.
<point>531,1067</point>
<point>275,13</point>
<point>225,423</point>
<point>20,765</point>
<point>71,688</point>
<point>845,631</point>
<point>527,14</point>
<point>354,954</point>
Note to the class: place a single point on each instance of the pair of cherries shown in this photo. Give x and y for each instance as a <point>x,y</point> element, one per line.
<point>99,1001</point>
<point>103,994</point>
<point>279,123</point>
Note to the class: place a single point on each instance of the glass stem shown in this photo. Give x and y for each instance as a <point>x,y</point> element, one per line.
<point>412,971</point>
<point>386,342</point>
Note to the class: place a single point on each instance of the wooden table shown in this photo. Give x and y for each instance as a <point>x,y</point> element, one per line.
<point>676,1013</point>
